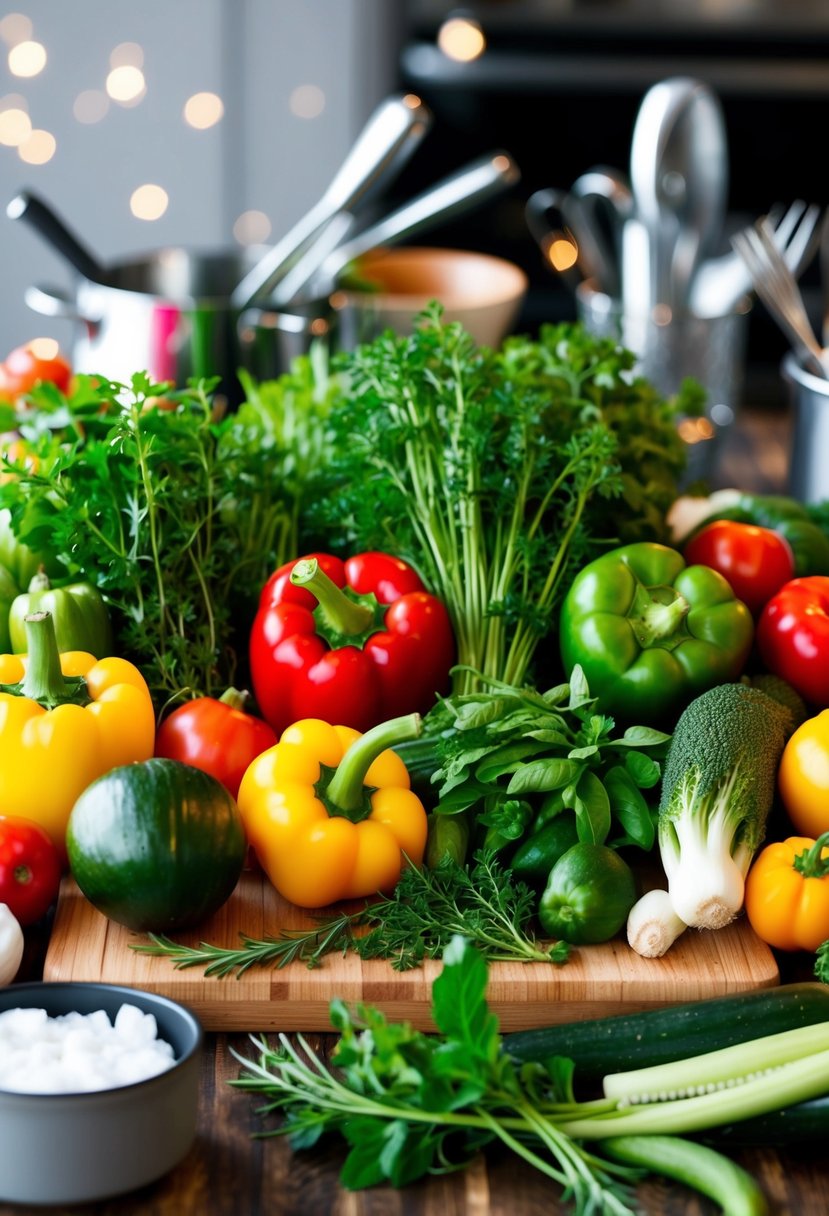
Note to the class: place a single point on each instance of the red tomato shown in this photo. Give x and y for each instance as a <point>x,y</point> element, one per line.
<point>30,869</point>
<point>756,562</point>
<point>28,365</point>
<point>793,636</point>
<point>216,736</point>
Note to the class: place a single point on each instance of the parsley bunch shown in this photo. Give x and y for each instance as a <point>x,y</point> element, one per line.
<point>175,513</point>
<point>492,473</point>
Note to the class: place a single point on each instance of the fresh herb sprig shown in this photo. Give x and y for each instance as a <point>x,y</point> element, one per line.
<point>176,513</point>
<point>504,744</point>
<point>426,909</point>
<point>493,473</point>
<point>408,1104</point>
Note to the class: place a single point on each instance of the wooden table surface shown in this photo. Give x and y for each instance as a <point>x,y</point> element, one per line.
<point>229,1172</point>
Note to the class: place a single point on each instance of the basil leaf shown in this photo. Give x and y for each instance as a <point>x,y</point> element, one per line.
<point>459,1005</point>
<point>642,736</point>
<point>592,809</point>
<point>539,776</point>
<point>629,808</point>
<point>642,769</point>
<point>506,759</point>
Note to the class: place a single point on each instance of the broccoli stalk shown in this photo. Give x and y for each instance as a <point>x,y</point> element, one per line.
<point>717,791</point>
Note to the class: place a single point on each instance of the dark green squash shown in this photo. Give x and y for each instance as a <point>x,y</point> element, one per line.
<point>157,845</point>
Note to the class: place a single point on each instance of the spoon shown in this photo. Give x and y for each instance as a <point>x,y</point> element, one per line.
<point>27,206</point>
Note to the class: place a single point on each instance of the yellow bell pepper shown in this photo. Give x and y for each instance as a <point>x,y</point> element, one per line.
<point>330,812</point>
<point>65,719</point>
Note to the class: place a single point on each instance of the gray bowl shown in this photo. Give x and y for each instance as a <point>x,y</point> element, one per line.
<point>109,1141</point>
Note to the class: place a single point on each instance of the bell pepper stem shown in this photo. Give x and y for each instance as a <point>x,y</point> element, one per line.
<point>236,698</point>
<point>810,863</point>
<point>342,614</point>
<point>657,614</point>
<point>345,789</point>
<point>43,680</point>
<point>40,581</point>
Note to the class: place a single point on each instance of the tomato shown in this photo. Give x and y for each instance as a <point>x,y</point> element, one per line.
<point>755,561</point>
<point>30,869</point>
<point>215,735</point>
<point>28,365</point>
<point>793,636</point>
<point>803,776</point>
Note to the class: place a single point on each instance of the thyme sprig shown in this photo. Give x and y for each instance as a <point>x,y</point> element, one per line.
<point>481,902</point>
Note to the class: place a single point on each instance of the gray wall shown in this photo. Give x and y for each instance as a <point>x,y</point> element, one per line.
<point>253,53</point>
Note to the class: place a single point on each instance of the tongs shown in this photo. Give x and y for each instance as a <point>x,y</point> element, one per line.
<point>386,142</point>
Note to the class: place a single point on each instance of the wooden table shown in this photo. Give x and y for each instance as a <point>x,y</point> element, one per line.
<point>229,1173</point>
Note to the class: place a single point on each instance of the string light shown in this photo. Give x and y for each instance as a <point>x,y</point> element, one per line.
<point>126,84</point>
<point>39,148</point>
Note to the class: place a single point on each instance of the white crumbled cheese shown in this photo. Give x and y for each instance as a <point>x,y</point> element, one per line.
<point>78,1053</point>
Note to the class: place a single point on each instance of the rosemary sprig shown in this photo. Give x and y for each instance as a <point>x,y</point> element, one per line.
<point>481,902</point>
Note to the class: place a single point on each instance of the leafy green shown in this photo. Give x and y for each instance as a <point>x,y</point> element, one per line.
<point>426,909</point>
<point>502,745</point>
<point>498,474</point>
<point>175,513</point>
<point>407,1104</point>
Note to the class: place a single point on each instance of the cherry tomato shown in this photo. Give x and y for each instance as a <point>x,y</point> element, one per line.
<point>755,561</point>
<point>30,869</point>
<point>803,776</point>
<point>793,636</point>
<point>28,365</point>
<point>216,735</point>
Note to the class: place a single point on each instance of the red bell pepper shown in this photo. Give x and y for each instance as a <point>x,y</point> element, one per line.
<point>353,643</point>
<point>793,636</point>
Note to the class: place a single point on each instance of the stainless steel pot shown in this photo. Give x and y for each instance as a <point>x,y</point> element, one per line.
<point>168,313</point>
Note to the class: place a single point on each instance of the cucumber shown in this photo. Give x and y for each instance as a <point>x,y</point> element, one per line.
<point>658,1036</point>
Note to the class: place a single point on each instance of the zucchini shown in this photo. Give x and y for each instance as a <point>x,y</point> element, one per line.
<point>659,1036</point>
<point>803,1123</point>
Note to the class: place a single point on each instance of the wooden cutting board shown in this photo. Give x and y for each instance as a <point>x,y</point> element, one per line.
<point>596,980</point>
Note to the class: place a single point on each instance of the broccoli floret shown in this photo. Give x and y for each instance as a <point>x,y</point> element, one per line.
<point>782,691</point>
<point>717,791</point>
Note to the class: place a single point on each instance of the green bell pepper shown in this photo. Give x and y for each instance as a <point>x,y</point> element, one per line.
<point>18,566</point>
<point>78,610</point>
<point>652,633</point>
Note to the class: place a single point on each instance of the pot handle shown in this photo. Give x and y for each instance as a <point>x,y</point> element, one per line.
<point>52,302</point>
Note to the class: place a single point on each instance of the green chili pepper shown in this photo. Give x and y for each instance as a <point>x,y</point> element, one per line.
<point>652,633</point>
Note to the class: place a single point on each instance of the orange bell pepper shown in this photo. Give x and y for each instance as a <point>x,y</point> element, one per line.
<point>787,893</point>
<point>65,719</point>
<point>330,812</point>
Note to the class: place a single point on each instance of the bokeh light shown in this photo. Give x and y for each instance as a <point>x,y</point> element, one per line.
<point>90,106</point>
<point>27,58</point>
<point>462,39</point>
<point>252,228</point>
<point>14,28</point>
<point>149,202</point>
<point>203,110</point>
<point>307,101</point>
<point>126,84</point>
<point>127,55</point>
<point>39,148</point>
<point>15,124</point>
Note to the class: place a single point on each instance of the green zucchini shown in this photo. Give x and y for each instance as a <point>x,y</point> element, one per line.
<point>803,1123</point>
<point>659,1036</point>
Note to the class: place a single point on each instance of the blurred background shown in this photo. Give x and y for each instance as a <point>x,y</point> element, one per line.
<point>217,123</point>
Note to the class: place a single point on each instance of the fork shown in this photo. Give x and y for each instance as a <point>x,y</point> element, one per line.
<point>777,287</point>
<point>720,282</point>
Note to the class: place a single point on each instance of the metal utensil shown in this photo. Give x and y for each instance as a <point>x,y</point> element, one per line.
<point>296,282</point>
<point>385,143</point>
<point>553,216</point>
<point>606,204</point>
<point>721,281</point>
<point>40,216</point>
<point>678,179</point>
<point>777,288</point>
<point>458,192</point>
